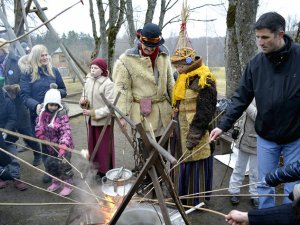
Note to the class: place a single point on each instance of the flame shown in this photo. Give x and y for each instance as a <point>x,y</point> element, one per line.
<point>109,207</point>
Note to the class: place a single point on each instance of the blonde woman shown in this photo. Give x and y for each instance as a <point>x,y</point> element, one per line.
<point>37,75</point>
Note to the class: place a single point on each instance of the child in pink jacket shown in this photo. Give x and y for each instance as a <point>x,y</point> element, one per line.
<point>53,125</point>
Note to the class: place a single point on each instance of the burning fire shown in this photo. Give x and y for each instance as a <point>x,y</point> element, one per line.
<point>109,207</point>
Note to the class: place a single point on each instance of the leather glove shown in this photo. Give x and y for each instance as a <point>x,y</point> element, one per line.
<point>270,179</point>
<point>5,175</point>
<point>296,193</point>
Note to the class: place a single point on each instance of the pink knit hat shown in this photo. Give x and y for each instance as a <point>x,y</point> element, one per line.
<point>101,63</point>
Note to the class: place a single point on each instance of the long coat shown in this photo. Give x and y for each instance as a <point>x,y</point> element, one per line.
<point>136,79</point>
<point>12,76</point>
<point>92,89</point>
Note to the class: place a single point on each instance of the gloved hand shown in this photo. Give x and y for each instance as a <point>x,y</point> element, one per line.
<point>5,175</point>
<point>62,151</point>
<point>296,193</point>
<point>271,179</point>
<point>4,135</point>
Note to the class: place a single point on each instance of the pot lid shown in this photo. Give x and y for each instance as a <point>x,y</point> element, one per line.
<point>119,174</point>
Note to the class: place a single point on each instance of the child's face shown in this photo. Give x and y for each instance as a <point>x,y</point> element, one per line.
<point>52,107</point>
<point>96,71</point>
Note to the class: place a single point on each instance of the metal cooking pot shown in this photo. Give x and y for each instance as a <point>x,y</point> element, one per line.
<point>117,182</point>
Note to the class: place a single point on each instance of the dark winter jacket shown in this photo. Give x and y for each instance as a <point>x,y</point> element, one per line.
<point>33,93</point>
<point>8,116</point>
<point>288,173</point>
<point>280,215</point>
<point>273,79</point>
<point>12,76</point>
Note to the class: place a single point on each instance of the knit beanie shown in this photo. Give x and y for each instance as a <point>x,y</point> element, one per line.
<point>52,96</point>
<point>102,64</point>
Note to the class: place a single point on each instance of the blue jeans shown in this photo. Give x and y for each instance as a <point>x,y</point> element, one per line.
<point>268,155</point>
<point>14,166</point>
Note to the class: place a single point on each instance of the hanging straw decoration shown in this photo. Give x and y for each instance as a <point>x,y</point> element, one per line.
<point>184,47</point>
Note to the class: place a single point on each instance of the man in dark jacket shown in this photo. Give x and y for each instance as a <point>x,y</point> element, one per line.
<point>286,214</point>
<point>8,121</point>
<point>272,77</point>
<point>11,72</point>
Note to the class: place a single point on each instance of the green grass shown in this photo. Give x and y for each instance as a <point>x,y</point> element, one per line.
<point>219,72</point>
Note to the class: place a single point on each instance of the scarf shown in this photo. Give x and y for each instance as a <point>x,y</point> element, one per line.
<point>183,81</point>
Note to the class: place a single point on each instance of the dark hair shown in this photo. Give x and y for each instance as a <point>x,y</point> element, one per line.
<point>272,21</point>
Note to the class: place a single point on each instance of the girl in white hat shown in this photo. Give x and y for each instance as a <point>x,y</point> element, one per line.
<point>53,125</point>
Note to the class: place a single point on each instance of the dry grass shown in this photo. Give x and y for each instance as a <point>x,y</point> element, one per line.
<point>219,72</point>
<point>71,86</point>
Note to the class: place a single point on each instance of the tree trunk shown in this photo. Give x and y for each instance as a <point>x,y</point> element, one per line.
<point>162,13</point>
<point>245,33</point>
<point>150,11</point>
<point>297,37</point>
<point>240,40</point>
<point>118,9</point>
<point>129,17</point>
<point>103,33</point>
<point>97,40</point>
<point>19,21</point>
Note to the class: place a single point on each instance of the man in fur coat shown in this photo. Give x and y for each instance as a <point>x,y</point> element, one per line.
<point>143,76</point>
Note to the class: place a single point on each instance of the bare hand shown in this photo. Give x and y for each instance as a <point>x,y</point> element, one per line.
<point>38,109</point>
<point>236,217</point>
<point>86,112</point>
<point>123,123</point>
<point>83,102</point>
<point>215,134</point>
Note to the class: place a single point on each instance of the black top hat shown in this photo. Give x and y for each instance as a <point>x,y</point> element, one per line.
<point>151,35</point>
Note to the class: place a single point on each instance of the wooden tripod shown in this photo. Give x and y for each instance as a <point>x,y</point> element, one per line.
<point>154,166</point>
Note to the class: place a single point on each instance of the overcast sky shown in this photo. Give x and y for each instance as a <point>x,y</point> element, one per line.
<point>78,19</point>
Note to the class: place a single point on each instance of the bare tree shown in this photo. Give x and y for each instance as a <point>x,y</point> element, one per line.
<point>297,36</point>
<point>130,21</point>
<point>240,40</point>
<point>150,10</point>
<point>109,28</point>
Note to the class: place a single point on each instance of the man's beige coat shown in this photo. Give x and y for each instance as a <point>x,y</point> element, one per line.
<point>134,78</point>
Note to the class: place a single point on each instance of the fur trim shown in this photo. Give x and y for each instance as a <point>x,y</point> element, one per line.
<point>205,109</point>
<point>12,90</point>
<point>24,65</point>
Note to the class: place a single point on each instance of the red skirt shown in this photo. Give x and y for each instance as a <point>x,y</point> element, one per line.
<point>105,157</point>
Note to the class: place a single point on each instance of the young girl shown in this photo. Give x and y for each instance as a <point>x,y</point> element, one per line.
<point>97,82</point>
<point>53,125</point>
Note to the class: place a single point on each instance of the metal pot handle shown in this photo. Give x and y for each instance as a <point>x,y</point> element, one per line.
<point>104,180</point>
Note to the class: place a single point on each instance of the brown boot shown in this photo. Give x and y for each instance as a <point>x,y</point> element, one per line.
<point>20,185</point>
<point>3,183</point>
